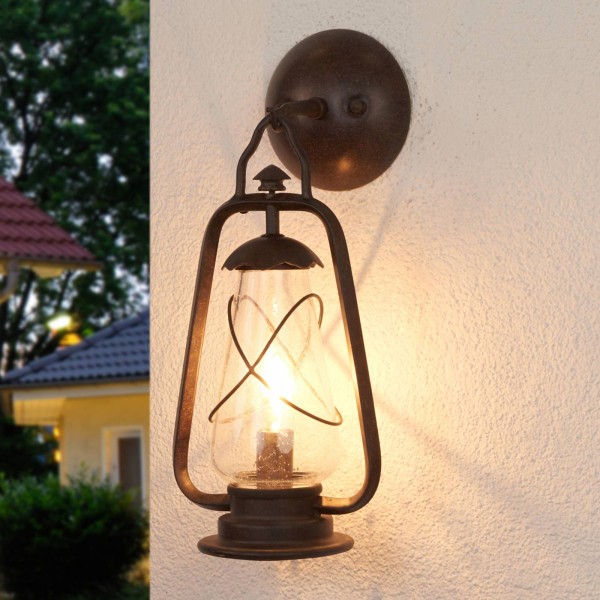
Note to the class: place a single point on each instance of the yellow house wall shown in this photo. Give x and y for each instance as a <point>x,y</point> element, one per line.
<point>82,423</point>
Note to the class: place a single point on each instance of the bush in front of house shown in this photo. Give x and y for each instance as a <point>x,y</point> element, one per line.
<point>57,541</point>
<point>25,450</point>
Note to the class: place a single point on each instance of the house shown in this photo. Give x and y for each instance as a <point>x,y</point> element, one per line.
<point>96,396</point>
<point>31,239</point>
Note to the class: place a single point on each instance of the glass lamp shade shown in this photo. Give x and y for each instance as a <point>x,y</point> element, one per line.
<point>275,423</point>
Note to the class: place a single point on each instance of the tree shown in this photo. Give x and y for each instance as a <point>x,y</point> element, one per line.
<point>74,137</point>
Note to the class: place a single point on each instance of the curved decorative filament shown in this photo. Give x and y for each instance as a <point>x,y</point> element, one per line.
<point>251,372</point>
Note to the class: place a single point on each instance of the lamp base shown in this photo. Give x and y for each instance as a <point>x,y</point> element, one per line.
<point>275,524</point>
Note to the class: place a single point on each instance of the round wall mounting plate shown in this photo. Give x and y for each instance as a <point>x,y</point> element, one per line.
<point>368,107</point>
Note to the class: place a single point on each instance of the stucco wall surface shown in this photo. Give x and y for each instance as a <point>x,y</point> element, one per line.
<point>477,262</point>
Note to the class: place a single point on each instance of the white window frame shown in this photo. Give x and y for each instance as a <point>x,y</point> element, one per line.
<point>110,464</point>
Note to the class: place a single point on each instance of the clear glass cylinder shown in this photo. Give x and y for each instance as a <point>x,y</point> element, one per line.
<point>275,426</point>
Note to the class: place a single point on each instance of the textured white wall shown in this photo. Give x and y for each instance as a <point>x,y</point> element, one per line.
<point>477,258</point>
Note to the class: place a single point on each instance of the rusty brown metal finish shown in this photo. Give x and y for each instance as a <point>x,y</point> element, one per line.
<point>275,524</point>
<point>193,353</point>
<point>359,107</point>
<point>242,203</point>
<point>354,338</point>
<point>269,252</point>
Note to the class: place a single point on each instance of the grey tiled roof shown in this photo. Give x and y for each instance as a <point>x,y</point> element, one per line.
<point>118,353</point>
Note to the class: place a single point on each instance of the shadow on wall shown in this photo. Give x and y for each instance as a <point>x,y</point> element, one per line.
<point>496,512</point>
<point>340,356</point>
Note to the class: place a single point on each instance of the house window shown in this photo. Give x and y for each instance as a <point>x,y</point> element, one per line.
<point>123,462</point>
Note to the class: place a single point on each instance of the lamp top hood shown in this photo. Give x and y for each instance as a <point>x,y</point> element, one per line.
<point>272,251</point>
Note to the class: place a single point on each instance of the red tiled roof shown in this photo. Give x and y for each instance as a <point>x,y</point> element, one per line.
<point>29,234</point>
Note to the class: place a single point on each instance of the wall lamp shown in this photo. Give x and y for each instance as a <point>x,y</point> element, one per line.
<point>338,115</point>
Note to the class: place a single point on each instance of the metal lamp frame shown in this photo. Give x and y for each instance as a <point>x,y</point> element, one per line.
<point>304,202</point>
<point>343,103</point>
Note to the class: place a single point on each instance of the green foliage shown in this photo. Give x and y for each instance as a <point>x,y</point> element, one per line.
<point>62,541</point>
<point>25,450</point>
<point>128,591</point>
<point>74,137</point>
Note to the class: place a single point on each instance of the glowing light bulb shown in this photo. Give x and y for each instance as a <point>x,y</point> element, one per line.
<point>281,385</point>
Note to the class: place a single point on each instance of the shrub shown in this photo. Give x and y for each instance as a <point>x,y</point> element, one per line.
<point>25,450</point>
<point>57,541</point>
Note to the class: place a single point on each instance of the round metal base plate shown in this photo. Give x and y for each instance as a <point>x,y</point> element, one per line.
<point>368,104</point>
<point>335,544</point>
<point>275,524</point>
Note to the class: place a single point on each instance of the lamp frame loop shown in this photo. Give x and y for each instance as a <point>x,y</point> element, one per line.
<point>259,202</point>
<point>276,119</point>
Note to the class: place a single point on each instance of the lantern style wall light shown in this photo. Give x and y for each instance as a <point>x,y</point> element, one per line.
<point>338,115</point>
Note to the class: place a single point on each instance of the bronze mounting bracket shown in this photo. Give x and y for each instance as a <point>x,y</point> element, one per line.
<point>364,114</point>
